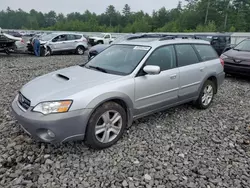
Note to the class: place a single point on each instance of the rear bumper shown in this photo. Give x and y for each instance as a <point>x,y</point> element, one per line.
<point>66,126</point>
<point>220,78</point>
<point>237,69</point>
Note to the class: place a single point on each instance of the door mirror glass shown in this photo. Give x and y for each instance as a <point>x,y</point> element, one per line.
<point>152,69</point>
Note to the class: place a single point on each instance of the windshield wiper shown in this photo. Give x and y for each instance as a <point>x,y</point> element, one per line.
<point>236,49</point>
<point>97,68</point>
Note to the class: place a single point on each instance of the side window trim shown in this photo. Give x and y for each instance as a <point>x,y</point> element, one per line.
<point>197,53</point>
<point>139,73</point>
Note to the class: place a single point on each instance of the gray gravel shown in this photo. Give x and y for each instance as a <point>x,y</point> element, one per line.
<point>181,147</point>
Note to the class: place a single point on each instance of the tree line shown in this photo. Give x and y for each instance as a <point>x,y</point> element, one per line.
<point>195,16</point>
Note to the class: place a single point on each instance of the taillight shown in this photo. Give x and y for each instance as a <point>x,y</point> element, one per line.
<point>222,62</point>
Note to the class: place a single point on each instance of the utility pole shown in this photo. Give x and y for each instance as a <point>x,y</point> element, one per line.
<point>225,23</point>
<point>208,5</point>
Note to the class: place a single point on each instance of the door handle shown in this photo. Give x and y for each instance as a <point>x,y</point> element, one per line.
<point>173,76</point>
<point>202,69</point>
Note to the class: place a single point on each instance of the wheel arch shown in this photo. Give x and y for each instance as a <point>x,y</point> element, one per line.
<point>117,97</point>
<point>212,77</point>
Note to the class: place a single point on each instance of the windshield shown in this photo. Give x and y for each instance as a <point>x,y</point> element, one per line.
<point>118,59</point>
<point>48,37</point>
<point>243,46</point>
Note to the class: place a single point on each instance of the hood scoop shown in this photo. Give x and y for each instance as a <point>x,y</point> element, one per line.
<point>60,76</point>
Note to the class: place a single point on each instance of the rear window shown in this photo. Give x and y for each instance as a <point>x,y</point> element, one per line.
<point>206,52</point>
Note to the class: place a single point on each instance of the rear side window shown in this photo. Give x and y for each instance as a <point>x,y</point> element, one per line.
<point>206,52</point>
<point>70,37</point>
<point>186,55</point>
<point>78,37</point>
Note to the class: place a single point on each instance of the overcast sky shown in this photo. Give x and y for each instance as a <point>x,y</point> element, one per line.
<point>98,6</point>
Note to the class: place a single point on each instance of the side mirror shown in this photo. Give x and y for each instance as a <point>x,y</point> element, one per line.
<point>229,48</point>
<point>152,69</point>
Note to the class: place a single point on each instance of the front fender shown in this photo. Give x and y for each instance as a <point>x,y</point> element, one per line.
<point>97,101</point>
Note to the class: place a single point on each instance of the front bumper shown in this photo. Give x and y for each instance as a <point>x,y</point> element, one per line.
<point>65,126</point>
<point>237,69</point>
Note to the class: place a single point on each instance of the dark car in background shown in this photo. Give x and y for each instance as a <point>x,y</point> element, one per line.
<point>237,59</point>
<point>219,41</point>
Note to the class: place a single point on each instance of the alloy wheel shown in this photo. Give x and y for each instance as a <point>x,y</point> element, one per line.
<point>207,97</point>
<point>108,126</point>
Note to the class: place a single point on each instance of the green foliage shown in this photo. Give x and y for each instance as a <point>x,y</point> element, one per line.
<point>232,29</point>
<point>223,15</point>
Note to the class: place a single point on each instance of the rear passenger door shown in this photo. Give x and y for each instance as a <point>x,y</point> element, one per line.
<point>70,42</point>
<point>192,71</point>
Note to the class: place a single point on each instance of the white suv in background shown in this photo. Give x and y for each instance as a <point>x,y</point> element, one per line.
<point>62,42</point>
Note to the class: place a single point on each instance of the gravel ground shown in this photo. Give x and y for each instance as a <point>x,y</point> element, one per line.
<point>181,147</point>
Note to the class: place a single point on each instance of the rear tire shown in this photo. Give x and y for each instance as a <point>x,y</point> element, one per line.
<point>206,95</point>
<point>80,50</point>
<point>106,126</point>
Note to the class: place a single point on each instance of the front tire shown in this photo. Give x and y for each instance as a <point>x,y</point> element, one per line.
<point>106,126</point>
<point>206,96</point>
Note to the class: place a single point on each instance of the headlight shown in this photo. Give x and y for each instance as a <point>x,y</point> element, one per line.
<point>223,56</point>
<point>53,107</point>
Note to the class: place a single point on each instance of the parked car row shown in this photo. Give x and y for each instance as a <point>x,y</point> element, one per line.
<point>220,42</point>
<point>95,102</point>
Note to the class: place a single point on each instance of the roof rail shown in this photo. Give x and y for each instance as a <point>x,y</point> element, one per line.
<point>147,36</point>
<point>171,37</point>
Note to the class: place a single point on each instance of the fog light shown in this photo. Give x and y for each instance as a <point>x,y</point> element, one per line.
<point>51,134</point>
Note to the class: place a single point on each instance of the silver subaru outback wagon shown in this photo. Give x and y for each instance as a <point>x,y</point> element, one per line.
<point>97,101</point>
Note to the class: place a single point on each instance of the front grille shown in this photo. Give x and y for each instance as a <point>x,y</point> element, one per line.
<point>23,101</point>
<point>92,42</point>
<point>92,54</point>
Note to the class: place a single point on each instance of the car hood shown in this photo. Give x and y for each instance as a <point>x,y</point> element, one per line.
<point>99,47</point>
<point>241,55</point>
<point>63,83</point>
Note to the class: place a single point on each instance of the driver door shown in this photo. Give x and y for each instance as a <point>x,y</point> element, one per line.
<point>156,91</point>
